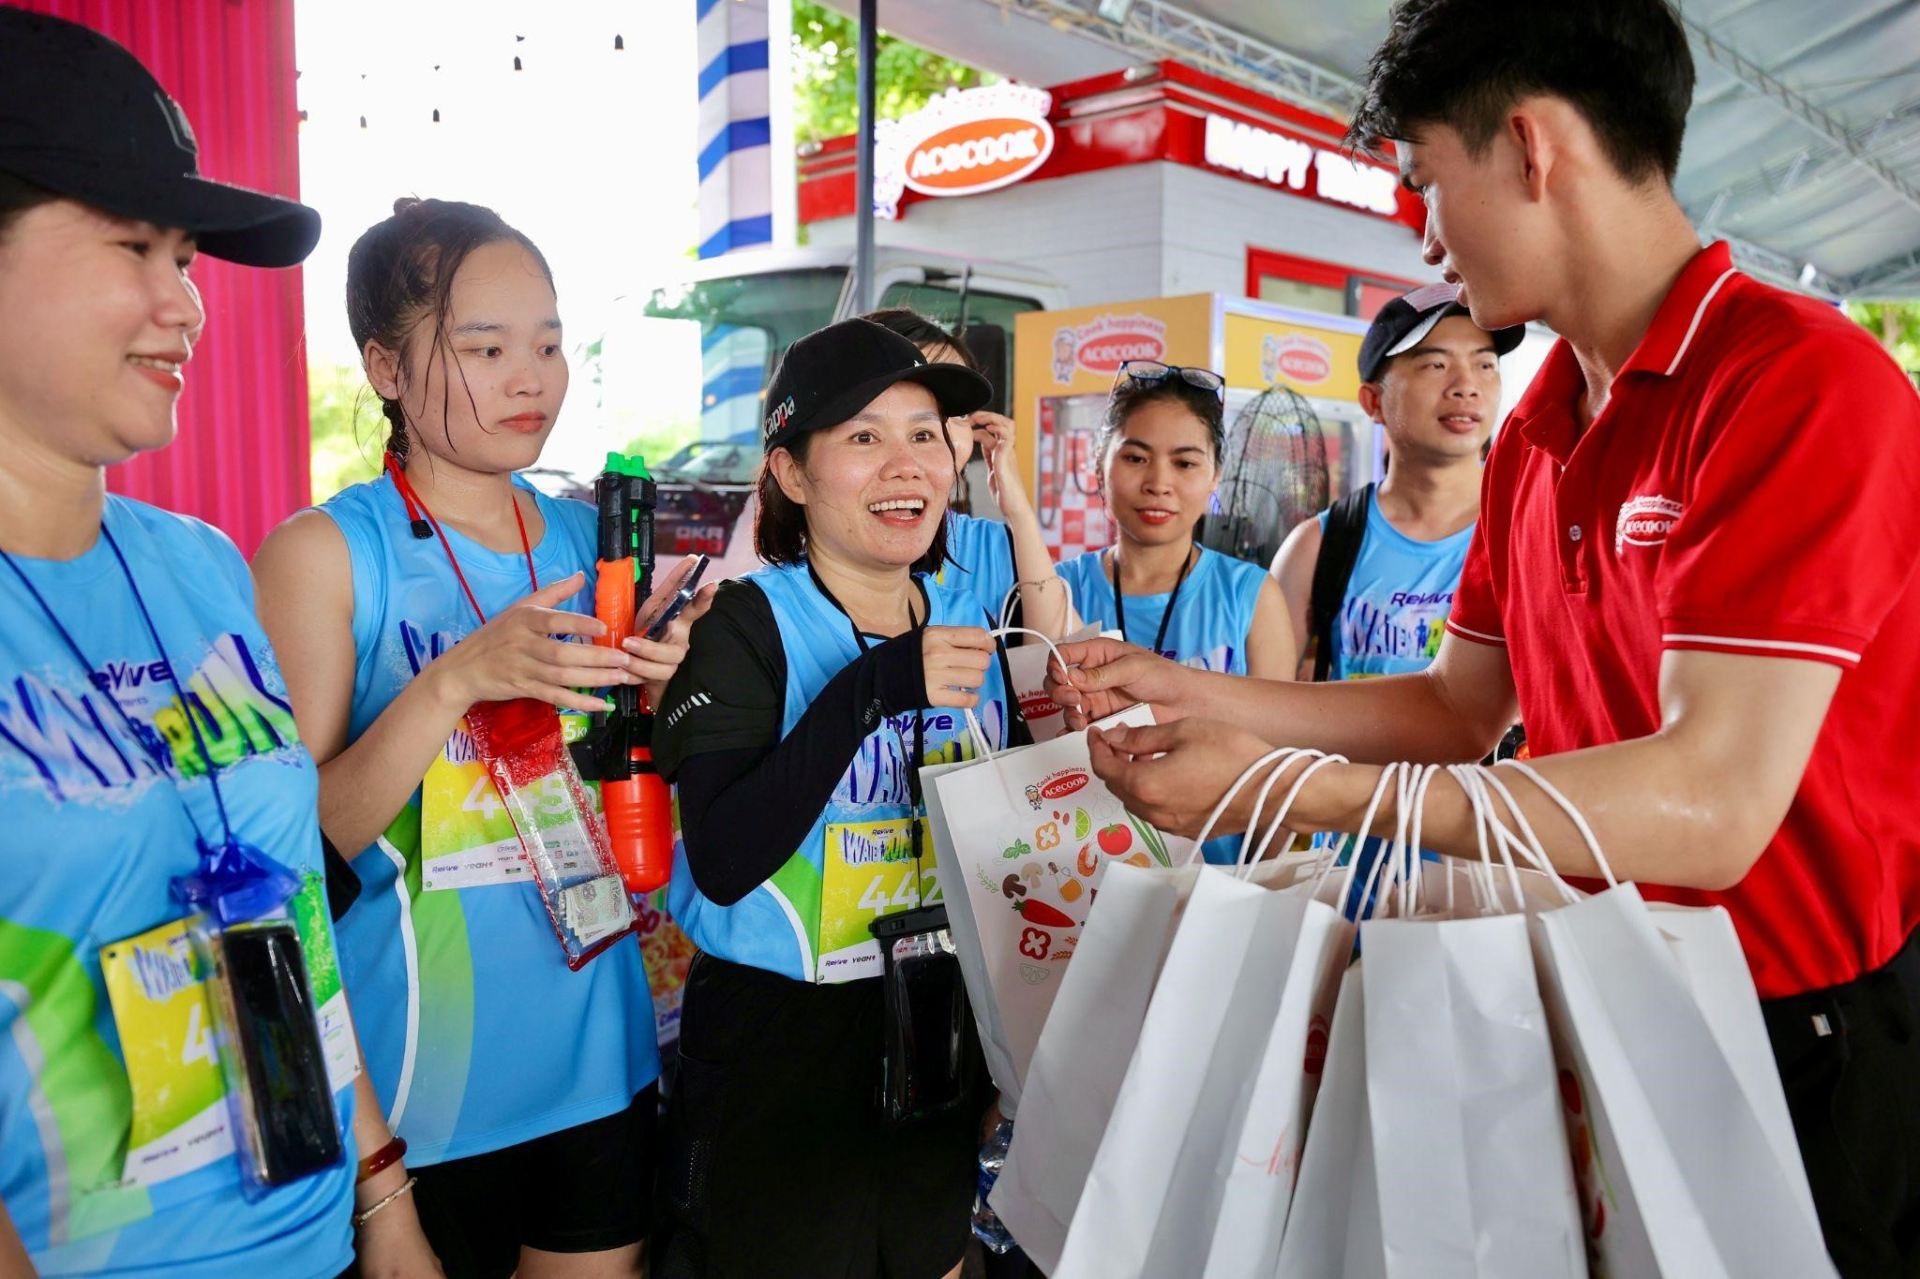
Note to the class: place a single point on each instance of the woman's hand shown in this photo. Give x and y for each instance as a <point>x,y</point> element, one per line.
<point>994,432</point>
<point>955,661</point>
<point>516,655</point>
<point>391,1245</point>
<point>655,661</point>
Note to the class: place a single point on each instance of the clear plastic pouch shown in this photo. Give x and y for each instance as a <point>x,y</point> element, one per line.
<point>564,843</point>
<point>267,1037</point>
<point>927,1066</point>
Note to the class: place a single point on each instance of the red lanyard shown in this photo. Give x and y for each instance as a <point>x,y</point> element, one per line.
<point>416,509</point>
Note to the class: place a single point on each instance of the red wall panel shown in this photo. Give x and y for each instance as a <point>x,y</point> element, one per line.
<point>240,461</point>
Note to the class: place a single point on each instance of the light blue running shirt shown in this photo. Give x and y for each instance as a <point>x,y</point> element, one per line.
<point>1392,617</point>
<point>477,1035</point>
<point>774,927</point>
<point>1209,628</point>
<point>1397,600</point>
<point>979,562</point>
<point>93,836</point>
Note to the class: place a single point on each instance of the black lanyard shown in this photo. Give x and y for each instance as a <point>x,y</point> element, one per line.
<point>918,752</point>
<point>1120,605</point>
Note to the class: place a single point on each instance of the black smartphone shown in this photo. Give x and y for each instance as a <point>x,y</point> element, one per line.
<point>683,596</point>
<point>291,1128</point>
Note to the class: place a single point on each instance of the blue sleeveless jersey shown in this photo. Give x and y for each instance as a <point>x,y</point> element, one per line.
<point>94,833</point>
<point>1397,600</point>
<point>476,1034</point>
<point>772,927</point>
<point>979,562</point>
<point>1209,628</point>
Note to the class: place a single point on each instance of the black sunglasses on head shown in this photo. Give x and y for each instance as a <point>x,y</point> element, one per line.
<point>1152,372</point>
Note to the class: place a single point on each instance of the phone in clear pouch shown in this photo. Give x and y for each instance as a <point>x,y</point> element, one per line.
<point>926,1068</point>
<point>285,1123</point>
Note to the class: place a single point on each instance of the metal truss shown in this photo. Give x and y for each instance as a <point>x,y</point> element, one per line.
<point>1154,29</point>
<point>1896,279</point>
<point>1856,146</point>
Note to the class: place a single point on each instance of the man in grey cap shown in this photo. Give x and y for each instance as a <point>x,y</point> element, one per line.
<point>1369,582</point>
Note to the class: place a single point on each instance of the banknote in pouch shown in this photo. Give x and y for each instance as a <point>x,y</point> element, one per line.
<point>926,1068</point>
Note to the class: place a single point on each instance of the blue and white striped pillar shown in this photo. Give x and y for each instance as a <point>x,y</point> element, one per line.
<point>747,181</point>
<point>746,129</point>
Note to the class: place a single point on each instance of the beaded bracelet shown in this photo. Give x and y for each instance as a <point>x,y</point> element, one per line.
<point>382,1159</point>
<point>360,1219</point>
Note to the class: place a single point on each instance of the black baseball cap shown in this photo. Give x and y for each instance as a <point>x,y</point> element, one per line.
<point>832,373</point>
<point>81,117</point>
<point>1403,322</point>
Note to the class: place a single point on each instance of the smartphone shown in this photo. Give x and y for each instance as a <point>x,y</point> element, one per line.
<point>689,587</point>
<point>290,1128</point>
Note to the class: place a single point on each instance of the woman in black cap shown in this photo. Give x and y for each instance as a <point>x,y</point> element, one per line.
<point>149,766</point>
<point>813,693</point>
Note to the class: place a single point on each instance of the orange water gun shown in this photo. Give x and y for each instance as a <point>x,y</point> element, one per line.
<point>616,752</point>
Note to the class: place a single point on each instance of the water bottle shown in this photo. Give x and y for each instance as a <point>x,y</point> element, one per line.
<point>993,1157</point>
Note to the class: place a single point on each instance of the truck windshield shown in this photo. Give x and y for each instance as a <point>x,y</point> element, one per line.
<point>746,321</point>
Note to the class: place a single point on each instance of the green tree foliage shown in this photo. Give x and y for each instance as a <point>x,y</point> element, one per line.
<point>1896,325</point>
<point>348,430</point>
<point>826,51</point>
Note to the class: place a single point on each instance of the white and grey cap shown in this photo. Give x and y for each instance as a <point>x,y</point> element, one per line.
<point>1404,323</point>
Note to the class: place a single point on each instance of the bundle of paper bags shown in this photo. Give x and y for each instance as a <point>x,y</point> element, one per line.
<point>1214,1072</point>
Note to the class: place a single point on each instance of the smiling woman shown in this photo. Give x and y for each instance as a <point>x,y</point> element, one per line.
<point>814,692</point>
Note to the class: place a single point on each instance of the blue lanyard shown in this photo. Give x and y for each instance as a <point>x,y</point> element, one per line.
<point>236,881</point>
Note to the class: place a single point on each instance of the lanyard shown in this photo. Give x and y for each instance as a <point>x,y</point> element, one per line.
<point>1120,607</point>
<point>235,881</point>
<point>413,503</point>
<point>918,752</point>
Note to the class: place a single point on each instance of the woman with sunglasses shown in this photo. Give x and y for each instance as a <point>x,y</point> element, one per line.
<point>147,756</point>
<point>1159,459</point>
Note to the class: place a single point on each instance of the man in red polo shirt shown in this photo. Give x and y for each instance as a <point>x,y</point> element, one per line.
<point>1692,574</point>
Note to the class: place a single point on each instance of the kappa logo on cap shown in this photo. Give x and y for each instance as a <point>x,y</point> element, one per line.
<point>177,124</point>
<point>778,418</point>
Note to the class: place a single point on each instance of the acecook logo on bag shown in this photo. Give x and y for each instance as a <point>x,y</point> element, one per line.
<point>1037,705</point>
<point>1063,784</point>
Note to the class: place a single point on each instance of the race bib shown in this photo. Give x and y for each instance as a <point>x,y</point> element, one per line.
<point>868,871</point>
<point>156,986</point>
<point>467,839</point>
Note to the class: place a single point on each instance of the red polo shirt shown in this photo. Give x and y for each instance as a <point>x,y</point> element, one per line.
<point>1752,486</point>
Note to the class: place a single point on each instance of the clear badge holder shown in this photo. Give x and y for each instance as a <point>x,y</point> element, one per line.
<point>926,1066</point>
<point>266,1027</point>
<point>564,844</point>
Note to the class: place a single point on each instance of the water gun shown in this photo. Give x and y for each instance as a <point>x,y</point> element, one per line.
<point>616,751</point>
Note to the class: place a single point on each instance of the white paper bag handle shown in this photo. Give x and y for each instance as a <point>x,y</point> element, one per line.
<point>1006,606</point>
<point>1287,755</point>
<point>1528,848</point>
<point>982,749</point>
<point>1387,775</point>
<point>1574,814</point>
<point>1279,818</point>
<point>1246,775</point>
<point>1468,777</point>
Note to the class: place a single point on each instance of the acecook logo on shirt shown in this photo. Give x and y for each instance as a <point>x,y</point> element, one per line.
<point>1644,521</point>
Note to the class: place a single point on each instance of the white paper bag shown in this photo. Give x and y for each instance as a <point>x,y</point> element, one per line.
<point>1032,833</point>
<point>1080,1061</point>
<point>1333,1224</point>
<point>1027,664</point>
<point>1711,1189</point>
<point>1470,1154</point>
<point>1153,1189</point>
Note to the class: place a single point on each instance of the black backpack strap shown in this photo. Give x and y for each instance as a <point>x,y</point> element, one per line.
<point>1339,552</point>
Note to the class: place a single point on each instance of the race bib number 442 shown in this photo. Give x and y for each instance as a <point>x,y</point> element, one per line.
<point>868,871</point>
